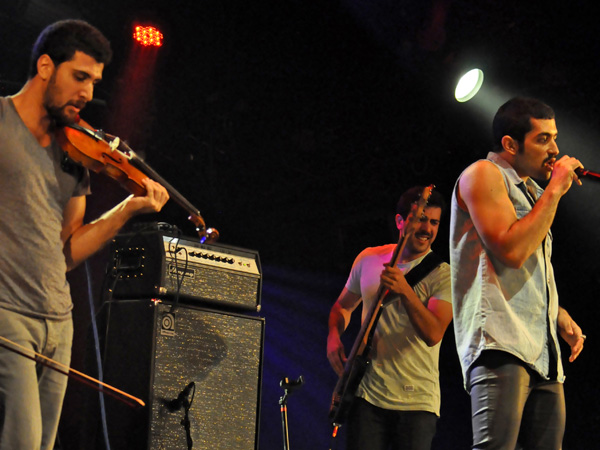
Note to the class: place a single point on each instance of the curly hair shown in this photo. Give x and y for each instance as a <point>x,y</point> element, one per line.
<point>62,39</point>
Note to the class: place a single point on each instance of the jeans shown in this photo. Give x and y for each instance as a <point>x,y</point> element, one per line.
<point>512,406</point>
<point>31,395</point>
<point>373,428</point>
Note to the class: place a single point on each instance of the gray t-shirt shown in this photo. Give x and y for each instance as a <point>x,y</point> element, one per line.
<point>35,186</point>
<point>403,374</point>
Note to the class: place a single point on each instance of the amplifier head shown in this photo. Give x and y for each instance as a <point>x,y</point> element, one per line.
<point>154,264</point>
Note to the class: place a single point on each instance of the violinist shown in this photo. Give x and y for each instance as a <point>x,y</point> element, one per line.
<point>42,233</point>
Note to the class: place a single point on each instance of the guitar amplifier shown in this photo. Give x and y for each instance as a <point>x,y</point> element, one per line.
<point>154,353</point>
<point>156,265</point>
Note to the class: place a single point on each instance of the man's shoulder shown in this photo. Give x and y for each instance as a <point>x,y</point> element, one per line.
<point>481,167</point>
<point>5,108</point>
<point>443,269</point>
<point>439,280</point>
<point>3,105</point>
<point>378,251</point>
<point>374,256</point>
<point>480,177</point>
<point>434,263</point>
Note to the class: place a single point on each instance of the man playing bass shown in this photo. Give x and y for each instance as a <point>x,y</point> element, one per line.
<point>398,400</point>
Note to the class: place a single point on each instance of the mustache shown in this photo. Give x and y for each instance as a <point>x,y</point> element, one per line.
<point>80,104</point>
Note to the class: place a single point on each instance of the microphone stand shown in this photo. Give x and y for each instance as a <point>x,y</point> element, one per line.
<point>183,401</point>
<point>288,387</point>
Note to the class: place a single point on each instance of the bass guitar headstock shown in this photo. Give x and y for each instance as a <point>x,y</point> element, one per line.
<point>417,209</point>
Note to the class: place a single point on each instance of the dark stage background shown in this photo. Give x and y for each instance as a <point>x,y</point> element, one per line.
<point>294,126</point>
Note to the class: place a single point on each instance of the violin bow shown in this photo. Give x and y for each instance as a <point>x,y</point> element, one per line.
<point>129,400</point>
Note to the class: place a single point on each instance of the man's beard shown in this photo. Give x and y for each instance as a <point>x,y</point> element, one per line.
<point>58,117</point>
<point>415,246</point>
<point>57,113</point>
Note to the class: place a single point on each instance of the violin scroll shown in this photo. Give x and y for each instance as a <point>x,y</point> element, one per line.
<point>207,235</point>
<point>212,235</point>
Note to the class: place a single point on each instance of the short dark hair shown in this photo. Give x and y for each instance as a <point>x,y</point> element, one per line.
<point>513,119</point>
<point>62,39</point>
<point>412,195</point>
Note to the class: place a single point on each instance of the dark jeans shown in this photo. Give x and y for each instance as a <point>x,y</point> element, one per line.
<point>511,403</point>
<point>373,428</point>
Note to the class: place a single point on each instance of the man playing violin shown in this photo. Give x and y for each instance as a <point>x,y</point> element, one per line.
<point>398,401</point>
<point>42,230</point>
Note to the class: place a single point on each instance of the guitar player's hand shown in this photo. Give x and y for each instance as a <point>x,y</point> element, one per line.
<point>335,353</point>
<point>393,279</point>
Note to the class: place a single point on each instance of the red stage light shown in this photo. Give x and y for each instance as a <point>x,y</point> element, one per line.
<point>148,36</point>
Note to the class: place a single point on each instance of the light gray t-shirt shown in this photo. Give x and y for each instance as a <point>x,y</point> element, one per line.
<point>404,370</point>
<point>35,186</point>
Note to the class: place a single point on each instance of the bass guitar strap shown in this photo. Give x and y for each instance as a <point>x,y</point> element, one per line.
<point>413,277</point>
<point>424,268</point>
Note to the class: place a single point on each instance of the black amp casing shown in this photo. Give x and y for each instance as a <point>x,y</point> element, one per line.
<point>156,265</point>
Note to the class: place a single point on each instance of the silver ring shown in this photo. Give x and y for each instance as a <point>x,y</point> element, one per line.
<point>583,336</point>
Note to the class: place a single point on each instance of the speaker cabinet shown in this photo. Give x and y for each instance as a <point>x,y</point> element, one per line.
<point>153,352</point>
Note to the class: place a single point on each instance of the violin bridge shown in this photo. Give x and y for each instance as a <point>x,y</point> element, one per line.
<point>114,144</point>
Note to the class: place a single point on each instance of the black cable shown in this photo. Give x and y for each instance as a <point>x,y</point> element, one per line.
<point>179,277</point>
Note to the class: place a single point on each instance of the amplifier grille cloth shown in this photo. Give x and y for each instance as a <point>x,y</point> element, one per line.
<point>222,355</point>
<point>154,354</point>
<point>211,284</point>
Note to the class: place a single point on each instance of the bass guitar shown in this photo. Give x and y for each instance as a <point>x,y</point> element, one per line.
<point>358,360</point>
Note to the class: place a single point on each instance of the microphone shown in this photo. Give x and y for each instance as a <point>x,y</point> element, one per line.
<point>588,174</point>
<point>291,385</point>
<point>181,399</point>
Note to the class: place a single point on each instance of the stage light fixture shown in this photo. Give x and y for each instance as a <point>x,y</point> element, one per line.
<point>148,36</point>
<point>468,85</point>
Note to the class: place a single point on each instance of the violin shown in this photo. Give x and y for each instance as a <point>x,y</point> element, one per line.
<point>103,153</point>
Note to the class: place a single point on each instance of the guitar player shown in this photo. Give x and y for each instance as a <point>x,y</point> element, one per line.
<point>397,403</point>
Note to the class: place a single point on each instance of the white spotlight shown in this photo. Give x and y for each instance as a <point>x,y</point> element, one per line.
<point>468,85</point>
